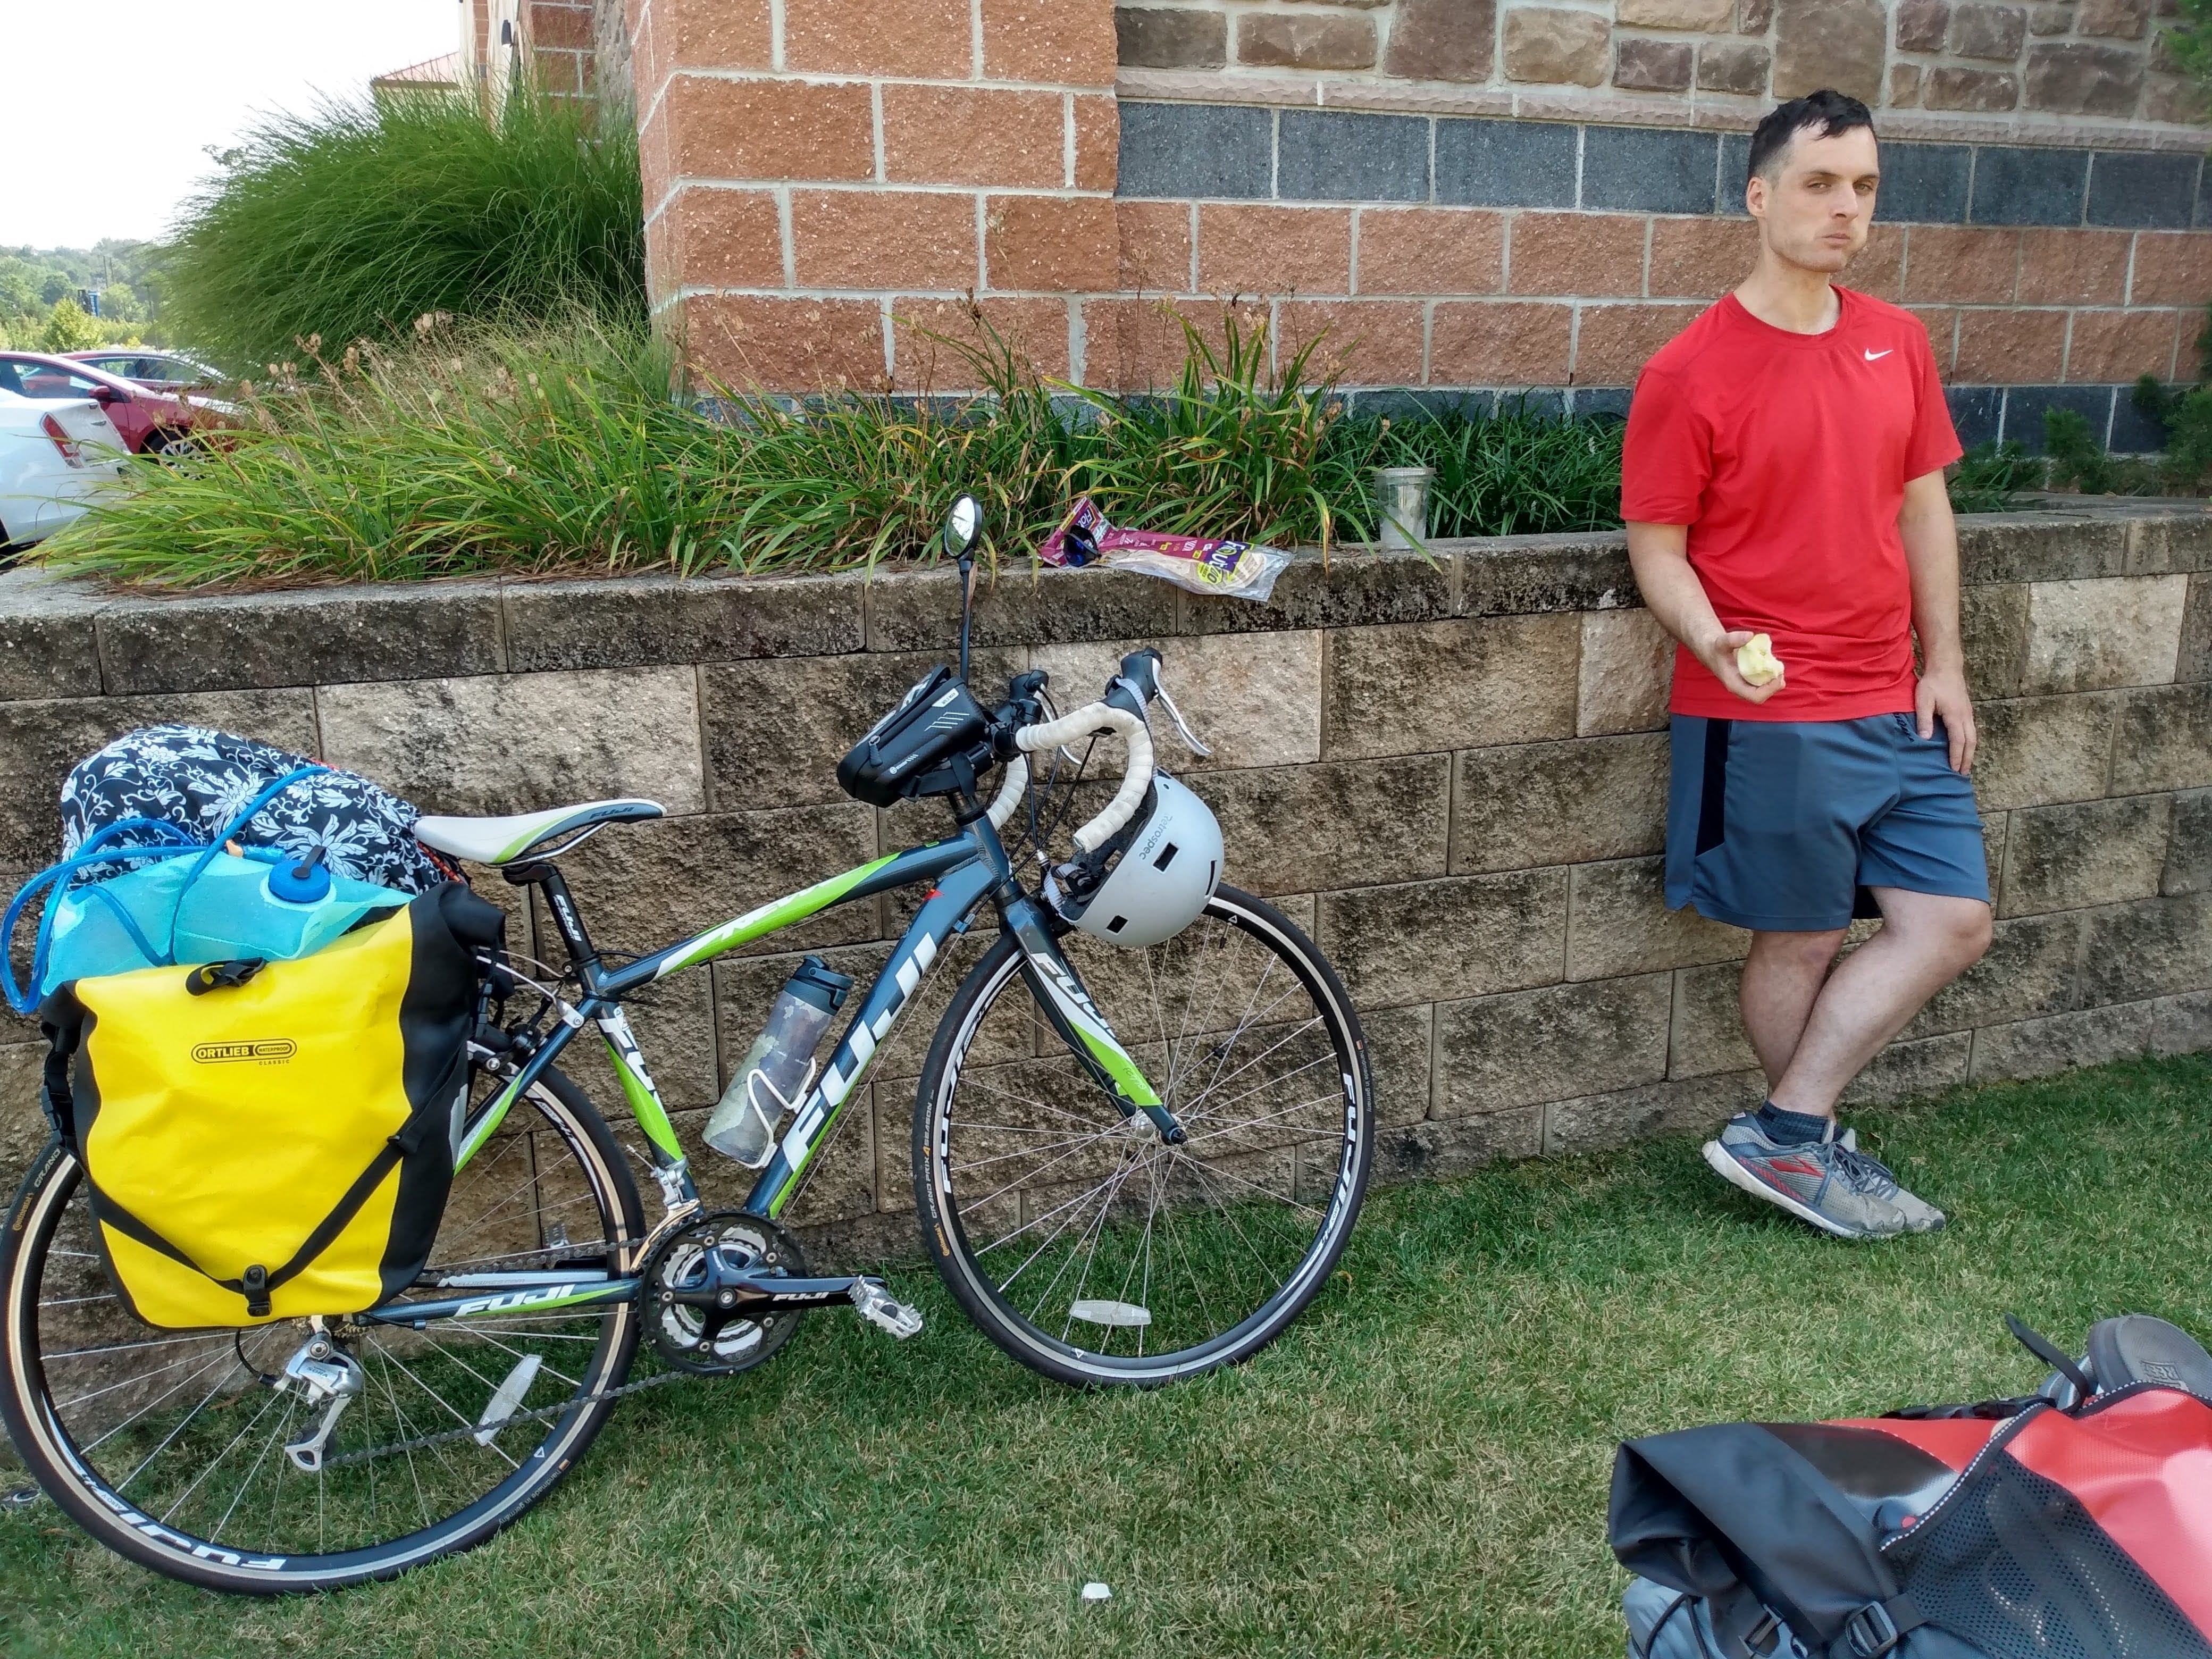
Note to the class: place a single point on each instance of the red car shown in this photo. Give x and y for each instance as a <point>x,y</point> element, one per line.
<point>152,422</point>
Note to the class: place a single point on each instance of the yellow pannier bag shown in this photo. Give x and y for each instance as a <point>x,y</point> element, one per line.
<point>271,1140</point>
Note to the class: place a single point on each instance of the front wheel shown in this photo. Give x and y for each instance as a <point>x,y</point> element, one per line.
<point>1082,1243</point>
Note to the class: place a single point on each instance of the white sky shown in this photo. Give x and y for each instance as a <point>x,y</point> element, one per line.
<point>184,74</point>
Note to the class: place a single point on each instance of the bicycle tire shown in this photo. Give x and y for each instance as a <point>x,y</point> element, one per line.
<point>945,1221</point>
<point>83,1483</point>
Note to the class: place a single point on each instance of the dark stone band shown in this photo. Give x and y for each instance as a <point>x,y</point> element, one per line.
<point>1243,152</point>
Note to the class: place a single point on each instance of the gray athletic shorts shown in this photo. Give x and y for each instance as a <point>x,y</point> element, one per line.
<point>1782,825</point>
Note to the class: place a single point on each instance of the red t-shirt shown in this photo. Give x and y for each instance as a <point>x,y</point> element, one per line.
<point>1787,455</point>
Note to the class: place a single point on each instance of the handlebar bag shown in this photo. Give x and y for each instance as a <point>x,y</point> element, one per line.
<point>271,1140</point>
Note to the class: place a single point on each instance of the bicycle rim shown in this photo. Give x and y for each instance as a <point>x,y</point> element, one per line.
<point>169,1446</point>
<point>1082,1244</point>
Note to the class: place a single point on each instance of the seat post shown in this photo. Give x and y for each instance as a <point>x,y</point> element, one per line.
<point>581,951</point>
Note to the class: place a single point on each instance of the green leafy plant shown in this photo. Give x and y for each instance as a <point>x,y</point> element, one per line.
<point>2185,412</point>
<point>1235,447</point>
<point>354,220</point>
<point>70,327</point>
<point>1987,478</point>
<point>480,446</point>
<point>2189,46</point>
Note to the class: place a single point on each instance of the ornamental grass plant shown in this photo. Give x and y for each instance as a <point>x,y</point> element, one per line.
<point>351,220</point>
<point>460,447</point>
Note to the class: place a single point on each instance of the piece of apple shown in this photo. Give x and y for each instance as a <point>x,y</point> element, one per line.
<point>1756,661</point>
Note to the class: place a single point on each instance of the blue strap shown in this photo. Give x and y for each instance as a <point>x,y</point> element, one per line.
<point>298,773</point>
<point>170,840</point>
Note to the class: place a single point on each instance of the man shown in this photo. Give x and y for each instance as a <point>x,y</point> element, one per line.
<point>1783,475</point>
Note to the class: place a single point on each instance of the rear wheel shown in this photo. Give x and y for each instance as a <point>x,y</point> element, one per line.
<point>169,1446</point>
<point>1082,1244</point>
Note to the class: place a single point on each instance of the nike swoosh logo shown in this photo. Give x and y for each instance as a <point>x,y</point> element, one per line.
<point>1873,356</point>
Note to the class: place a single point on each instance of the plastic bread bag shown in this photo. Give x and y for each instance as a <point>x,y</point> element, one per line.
<point>1201,564</point>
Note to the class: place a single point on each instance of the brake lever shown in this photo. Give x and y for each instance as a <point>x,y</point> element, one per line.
<point>1183,726</point>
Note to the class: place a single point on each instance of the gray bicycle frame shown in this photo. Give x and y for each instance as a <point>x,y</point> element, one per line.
<point>962,871</point>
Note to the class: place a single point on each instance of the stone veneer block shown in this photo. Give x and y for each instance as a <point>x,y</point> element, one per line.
<point>1922,24</point>
<point>1594,1122</point>
<point>2074,78</point>
<point>1644,65</point>
<point>40,740</point>
<point>1559,802</point>
<point>2036,1048</point>
<point>2171,543</point>
<point>1449,686</point>
<point>1706,1030</point>
<point>2016,184</point>
<point>1514,574</point>
<point>1993,627</point>
<point>218,641</point>
<point>1648,170</point>
<point>1336,155</point>
<point>1205,150</point>
<point>1442,40</point>
<point>2155,947</point>
<point>1457,1147</point>
<point>1618,922</point>
<point>1925,182</point>
<point>1555,1043</point>
<point>2164,739</point>
<point>2040,547</point>
<point>513,743</point>
<point>1165,37</point>
<point>1830,43</point>
<point>628,621</point>
<point>49,639</point>
<point>919,610</point>
<point>1254,699</point>
<point>1626,672</point>
<point>819,707</point>
<point>2098,852</point>
<point>643,886</point>
<point>2029,970</point>
<point>1279,40</point>
<point>1436,941</point>
<point>1913,1071</point>
<point>1506,163</point>
<point>1549,45</point>
<point>1317,828</point>
<point>1979,30</point>
<point>2094,635</point>
<point>1350,587</point>
<point>2039,750</point>
<point>2143,191</point>
<point>2189,845</point>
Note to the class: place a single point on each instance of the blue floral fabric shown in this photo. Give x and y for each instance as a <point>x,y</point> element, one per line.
<point>200,781</point>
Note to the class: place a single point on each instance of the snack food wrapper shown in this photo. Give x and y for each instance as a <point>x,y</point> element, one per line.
<point>1202,564</point>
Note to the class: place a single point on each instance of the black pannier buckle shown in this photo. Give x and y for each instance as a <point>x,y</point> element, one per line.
<point>1874,1629</point>
<point>253,1284</point>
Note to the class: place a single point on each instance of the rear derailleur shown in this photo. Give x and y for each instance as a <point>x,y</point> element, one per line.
<point>725,1292</point>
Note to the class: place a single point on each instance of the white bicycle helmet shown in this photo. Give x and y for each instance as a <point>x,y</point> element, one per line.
<point>1168,867</point>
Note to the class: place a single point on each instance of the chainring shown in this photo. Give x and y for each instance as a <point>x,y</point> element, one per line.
<point>700,1340</point>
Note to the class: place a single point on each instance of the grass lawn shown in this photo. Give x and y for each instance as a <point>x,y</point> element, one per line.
<point>1418,1469</point>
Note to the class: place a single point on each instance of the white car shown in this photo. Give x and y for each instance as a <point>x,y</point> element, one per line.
<point>54,453</point>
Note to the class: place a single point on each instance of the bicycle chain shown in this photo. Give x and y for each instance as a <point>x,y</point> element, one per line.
<point>544,1413</point>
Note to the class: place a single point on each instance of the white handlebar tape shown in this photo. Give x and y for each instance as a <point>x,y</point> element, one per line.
<point>1009,793</point>
<point>1086,722</point>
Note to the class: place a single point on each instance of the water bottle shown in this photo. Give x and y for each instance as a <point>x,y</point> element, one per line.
<point>777,1068</point>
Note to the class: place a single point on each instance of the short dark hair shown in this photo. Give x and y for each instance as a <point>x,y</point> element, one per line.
<point>1827,111</point>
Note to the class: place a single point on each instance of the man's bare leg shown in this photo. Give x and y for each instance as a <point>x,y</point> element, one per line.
<point>1926,941</point>
<point>1782,978</point>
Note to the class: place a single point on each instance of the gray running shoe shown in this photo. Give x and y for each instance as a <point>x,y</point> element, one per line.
<point>1828,1183</point>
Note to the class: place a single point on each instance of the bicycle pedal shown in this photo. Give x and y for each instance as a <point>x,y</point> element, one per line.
<point>881,1308</point>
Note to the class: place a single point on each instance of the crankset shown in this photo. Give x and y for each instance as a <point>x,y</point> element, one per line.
<point>726,1291</point>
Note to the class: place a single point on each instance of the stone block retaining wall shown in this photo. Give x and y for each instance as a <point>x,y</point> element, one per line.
<point>1452,773</point>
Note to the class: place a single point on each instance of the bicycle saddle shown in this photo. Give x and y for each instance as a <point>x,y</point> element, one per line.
<point>503,839</point>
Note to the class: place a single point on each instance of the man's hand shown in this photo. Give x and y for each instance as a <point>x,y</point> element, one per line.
<point>1717,652</point>
<point>1941,696</point>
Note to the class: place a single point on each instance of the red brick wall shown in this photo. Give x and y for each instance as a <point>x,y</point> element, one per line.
<point>826,178</point>
<point>557,34</point>
<point>822,177</point>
